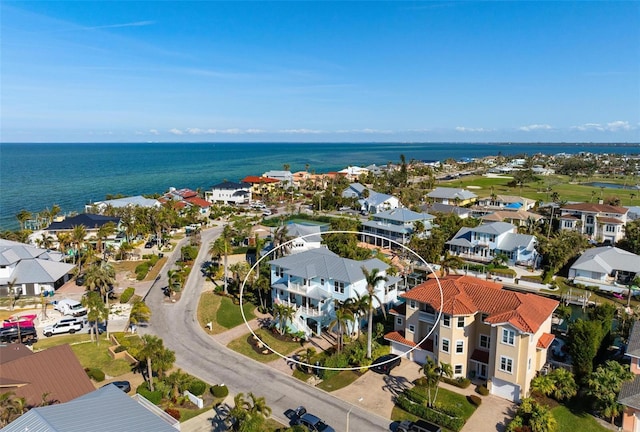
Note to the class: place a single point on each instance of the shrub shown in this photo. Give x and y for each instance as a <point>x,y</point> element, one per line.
<point>474,399</point>
<point>96,374</point>
<point>142,270</point>
<point>173,413</point>
<point>120,348</point>
<point>483,390</point>
<point>197,387</point>
<point>155,397</point>
<point>460,382</point>
<point>220,391</point>
<point>153,260</point>
<point>127,294</point>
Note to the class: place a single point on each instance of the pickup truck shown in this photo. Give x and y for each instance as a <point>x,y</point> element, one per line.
<point>27,335</point>
<point>70,307</point>
<point>300,416</point>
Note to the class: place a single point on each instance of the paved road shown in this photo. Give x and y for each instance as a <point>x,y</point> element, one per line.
<point>200,355</point>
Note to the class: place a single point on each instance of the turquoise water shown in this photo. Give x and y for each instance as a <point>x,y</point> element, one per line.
<point>36,176</point>
<point>612,185</point>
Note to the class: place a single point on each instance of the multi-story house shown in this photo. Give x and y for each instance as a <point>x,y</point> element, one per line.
<point>371,201</point>
<point>284,177</point>
<point>185,198</point>
<point>261,185</point>
<point>600,222</point>
<point>478,328</point>
<point>458,197</point>
<point>505,202</point>
<point>485,241</point>
<point>398,225</point>
<point>313,280</point>
<point>229,193</point>
<point>629,395</point>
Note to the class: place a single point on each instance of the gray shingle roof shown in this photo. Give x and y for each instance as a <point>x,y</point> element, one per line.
<point>104,410</point>
<point>633,348</point>
<point>451,193</point>
<point>496,228</point>
<point>605,259</point>
<point>322,263</point>
<point>630,393</point>
<point>514,241</point>
<point>402,215</point>
<point>32,264</point>
<point>295,230</point>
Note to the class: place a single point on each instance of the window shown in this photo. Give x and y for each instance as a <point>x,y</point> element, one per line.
<point>412,304</point>
<point>485,342</point>
<point>460,322</point>
<point>610,228</point>
<point>399,320</point>
<point>459,347</point>
<point>457,369</point>
<point>446,321</point>
<point>445,345</point>
<point>322,282</point>
<point>338,287</point>
<point>484,317</point>
<point>508,337</point>
<point>529,364</point>
<point>412,328</point>
<point>279,271</point>
<point>506,364</point>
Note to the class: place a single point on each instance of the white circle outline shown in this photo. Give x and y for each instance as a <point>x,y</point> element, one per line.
<point>291,359</point>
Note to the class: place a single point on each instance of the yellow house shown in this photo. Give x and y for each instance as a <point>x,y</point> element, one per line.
<point>483,331</point>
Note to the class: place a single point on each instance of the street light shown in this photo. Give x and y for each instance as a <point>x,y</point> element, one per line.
<point>349,413</point>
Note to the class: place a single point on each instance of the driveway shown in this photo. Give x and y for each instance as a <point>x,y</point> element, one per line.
<point>492,415</point>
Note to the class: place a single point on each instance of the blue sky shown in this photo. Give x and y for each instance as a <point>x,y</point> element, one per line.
<point>84,71</point>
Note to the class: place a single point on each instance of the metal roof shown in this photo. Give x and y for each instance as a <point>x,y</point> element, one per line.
<point>104,410</point>
<point>605,259</point>
<point>403,215</point>
<point>514,241</point>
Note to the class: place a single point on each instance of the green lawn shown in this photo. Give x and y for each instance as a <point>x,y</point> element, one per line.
<point>243,347</point>
<point>222,312</point>
<point>89,354</point>
<point>575,419</point>
<point>338,381</point>
<point>537,190</point>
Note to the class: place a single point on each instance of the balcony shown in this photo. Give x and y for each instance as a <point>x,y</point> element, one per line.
<point>427,317</point>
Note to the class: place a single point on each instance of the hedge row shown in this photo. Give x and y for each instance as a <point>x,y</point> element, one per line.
<point>95,374</point>
<point>127,294</point>
<point>460,382</point>
<point>475,400</point>
<point>421,399</point>
<point>197,387</point>
<point>452,423</point>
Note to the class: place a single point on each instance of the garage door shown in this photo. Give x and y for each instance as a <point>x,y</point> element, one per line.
<point>505,390</point>
<point>419,356</point>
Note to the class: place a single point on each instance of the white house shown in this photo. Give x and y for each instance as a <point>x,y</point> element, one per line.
<point>485,241</point>
<point>370,201</point>
<point>31,270</point>
<point>398,225</point>
<point>601,222</point>
<point>133,201</point>
<point>506,202</point>
<point>311,281</point>
<point>229,193</point>
<point>304,237</point>
<point>605,265</point>
<point>284,177</point>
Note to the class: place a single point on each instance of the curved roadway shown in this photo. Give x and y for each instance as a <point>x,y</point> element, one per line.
<point>199,354</point>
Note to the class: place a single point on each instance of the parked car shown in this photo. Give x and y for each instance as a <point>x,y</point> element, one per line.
<point>125,386</point>
<point>418,426</point>
<point>69,307</point>
<point>80,279</point>
<point>384,364</point>
<point>27,335</point>
<point>300,416</point>
<point>65,325</point>
<point>148,245</point>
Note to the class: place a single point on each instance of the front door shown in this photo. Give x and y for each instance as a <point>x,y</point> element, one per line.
<point>481,370</point>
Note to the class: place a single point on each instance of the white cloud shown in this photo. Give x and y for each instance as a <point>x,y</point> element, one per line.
<point>300,131</point>
<point>614,126</point>
<point>121,25</point>
<point>175,131</point>
<point>467,129</point>
<point>535,127</point>
<point>154,132</point>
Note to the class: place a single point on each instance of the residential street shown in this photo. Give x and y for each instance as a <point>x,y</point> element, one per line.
<point>200,355</point>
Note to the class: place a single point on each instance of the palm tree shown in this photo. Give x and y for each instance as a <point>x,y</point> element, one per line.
<point>543,385</point>
<point>103,232</point>
<point>101,278</point>
<point>450,262</point>
<point>280,241</point>
<point>286,314</point>
<point>240,410</point>
<point>564,383</point>
<point>140,312</point>
<point>97,311</point>
<point>308,357</point>
<point>14,293</point>
<point>23,216</point>
<point>153,351</point>
<point>499,259</point>
<point>221,247</point>
<point>11,407</point>
<point>78,233</point>
<point>259,406</point>
<point>373,279</point>
<point>432,377</point>
<point>341,321</point>
<point>358,306</point>
<point>445,369</point>
<point>64,241</point>
<point>175,280</point>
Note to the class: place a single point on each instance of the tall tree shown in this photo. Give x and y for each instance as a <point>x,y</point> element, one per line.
<point>605,383</point>
<point>341,322</point>
<point>11,407</point>
<point>156,356</point>
<point>97,312</point>
<point>140,313</point>
<point>373,278</point>
<point>101,278</point>
<point>78,234</point>
<point>222,247</point>
<point>23,216</point>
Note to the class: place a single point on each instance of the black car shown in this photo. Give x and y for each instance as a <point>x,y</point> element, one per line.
<point>384,364</point>
<point>80,279</point>
<point>125,386</point>
<point>28,335</point>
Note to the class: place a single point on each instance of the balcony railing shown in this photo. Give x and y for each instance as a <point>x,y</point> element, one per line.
<point>427,317</point>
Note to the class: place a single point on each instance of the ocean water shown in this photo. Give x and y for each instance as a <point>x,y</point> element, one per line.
<point>37,176</point>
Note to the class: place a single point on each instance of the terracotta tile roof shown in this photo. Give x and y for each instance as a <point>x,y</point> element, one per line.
<point>197,201</point>
<point>596,208</point>
<point>398,336</point>
<point>480,356</point>
<point>466,295</point>
<point>399,309</point>
<point>545,340</point>
<point>259,179</point>
<point>55,371</point>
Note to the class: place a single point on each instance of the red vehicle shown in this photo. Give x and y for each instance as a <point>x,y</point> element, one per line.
<point>19,320</point>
